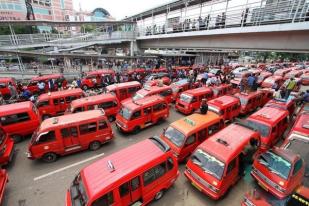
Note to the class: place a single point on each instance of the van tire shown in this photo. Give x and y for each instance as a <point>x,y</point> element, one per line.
<point>95,145</point>
<point>160,120</point>
<point>85,87</point>
<point>49,157</point>
<point>159,195</point>
<point>136,130</point>
<point>17,138</point>
<point>45,117</point>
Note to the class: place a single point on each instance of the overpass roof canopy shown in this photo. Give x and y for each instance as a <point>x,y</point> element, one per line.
<point>63,23</point>
<point>172,6</point>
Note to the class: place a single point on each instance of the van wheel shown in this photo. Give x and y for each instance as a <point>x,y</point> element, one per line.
<point>94,145</point>
<point>49,157</point>
<point>159,195</point>
<point>111,118</point>
<point>17,138</point>
<point>85,87</point>
<point>136,130</point>
<point>45,117</point>
<point>160,120</point>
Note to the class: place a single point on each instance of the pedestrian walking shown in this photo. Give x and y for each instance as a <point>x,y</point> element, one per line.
<point>290,86</point>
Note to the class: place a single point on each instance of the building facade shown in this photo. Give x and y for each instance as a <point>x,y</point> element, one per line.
<point>53,10</point>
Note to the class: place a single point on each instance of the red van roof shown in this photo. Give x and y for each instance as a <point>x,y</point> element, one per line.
<point>198,91</point>
<point>302,123</point>
<point>6,79</point>
<point>142,102</point>
<point>70,119</point>
<point>224,101</point>
<point>247,95</point>
<point>98,177</point>
<point>100,72</point>
<point>46,77</point>
<point>269,115</point>
<point>153,89</point>
<point>59,94</point>
<point>228,143</point>
<point>16,108</point>
<point>92,100</point>
<point>121,85</point>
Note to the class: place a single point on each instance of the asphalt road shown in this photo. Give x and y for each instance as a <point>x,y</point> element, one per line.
<point>35,183</point>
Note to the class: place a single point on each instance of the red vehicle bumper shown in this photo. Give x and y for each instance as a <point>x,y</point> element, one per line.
<point>8,153</point>
<point>183,109</point>
<point>267,187</point>
<point>201,188</point>
<point>121,127</point>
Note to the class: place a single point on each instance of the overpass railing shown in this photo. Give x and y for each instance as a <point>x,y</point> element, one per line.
<point>49,38</point>
<point>226,15</point>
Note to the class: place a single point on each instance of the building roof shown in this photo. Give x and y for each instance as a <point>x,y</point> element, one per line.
<point>98,177</point>
<point>189,124</point>
<point>70,119</point>
<point>235,136</point>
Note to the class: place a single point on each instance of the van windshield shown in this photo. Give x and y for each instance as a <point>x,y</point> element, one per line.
<point>78,192</point>
<point>137,96</point>
<point>263,129</point>
<point>215,110</point>
<point>208,163</point>
<point>175,136</point>
<point>125,113</point>
<point>276,164</point>
<point>185,98</point>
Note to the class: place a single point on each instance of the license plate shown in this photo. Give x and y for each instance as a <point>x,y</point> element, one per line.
<point>263,186</point>
<point>197,187</point>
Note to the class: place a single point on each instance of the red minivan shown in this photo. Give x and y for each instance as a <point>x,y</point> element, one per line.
<point>68,134</point>
<point>162,90</point>
<point>215,165</point>
<point>135,175</point>
<point>33,84</point>
<point>56,103</point>
<point>108,102</point>
<point>4,178</point>
<point>271,123</point>
<point>4,83</point>
<point>19,119</point>
<point>250,101</point>
<point>94,78</point>
<point>190,100</point>
<point>124,90</point>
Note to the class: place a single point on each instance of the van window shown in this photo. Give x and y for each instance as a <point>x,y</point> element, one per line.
<point>48,137</point>
<point>166,93</point>
<point>202,135</point>
<point>43,103</point>
<point>190,140</point>
<point>136,114</point>
<point>107,105</point>
<point>213,128</point>
<point>132,90</point>
<point>78,109</point>
<point>68,132</point>
<point>61,101</point>
<point>102,125</point>
<point>15,118</point>
<point>159,107</point>
<point>235,107</point>
<point>105,200</point>
<point>298,165</point>
<point>147,110</point>
<point>56,101</point>
<point>123,91</point>
<point>90,107</point>
<point>88,128</point>
<point>135,183</point>
<point>124,189</point>
<point>231,166</point>
<point>169,164</point>
<point>154,173</point>
<point>194,99</point>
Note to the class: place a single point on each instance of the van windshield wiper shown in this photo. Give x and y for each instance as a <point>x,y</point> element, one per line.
<point>196,160</point>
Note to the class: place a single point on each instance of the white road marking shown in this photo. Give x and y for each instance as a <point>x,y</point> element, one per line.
<point>67,167</point>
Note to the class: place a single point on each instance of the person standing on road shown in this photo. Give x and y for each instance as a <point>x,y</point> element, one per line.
<point>13,91</point>
<point>290,86</point>
<point>41,87</point>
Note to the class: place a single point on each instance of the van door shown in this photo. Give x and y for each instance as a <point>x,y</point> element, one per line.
<point>147,115</point>
<point>190,144</point>
<point>122,94</point>
<point>69,137</point>
<point>131,191</point>
<point>231,175</point>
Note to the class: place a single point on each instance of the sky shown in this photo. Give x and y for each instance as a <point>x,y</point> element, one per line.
<point>119,8</point>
